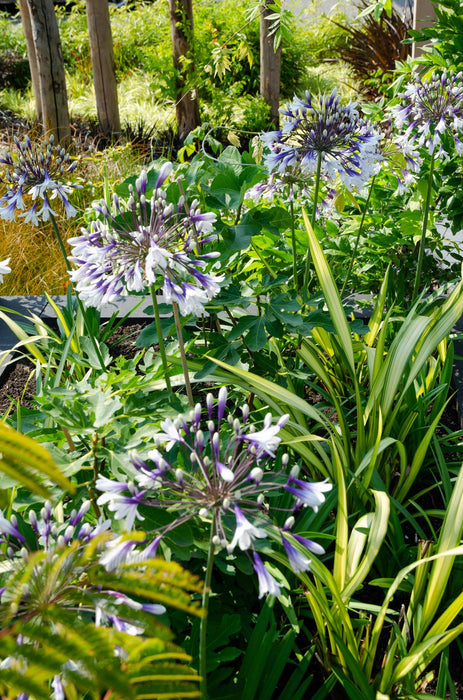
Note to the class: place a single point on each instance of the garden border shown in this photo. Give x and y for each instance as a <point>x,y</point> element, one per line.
<point>40,306</point>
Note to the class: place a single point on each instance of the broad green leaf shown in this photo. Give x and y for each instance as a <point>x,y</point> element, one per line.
<point>256,338</point>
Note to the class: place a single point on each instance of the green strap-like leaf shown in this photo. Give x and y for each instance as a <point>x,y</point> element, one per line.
<point>330,292</point>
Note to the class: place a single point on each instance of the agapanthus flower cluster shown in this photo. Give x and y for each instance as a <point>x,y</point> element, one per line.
<point>67,585</point>
<point>323,133</point>
<point>44,533</point>
<point>217,473</point>
<point>430,110</point>
<point>37,172</point>
<point>144,243</point>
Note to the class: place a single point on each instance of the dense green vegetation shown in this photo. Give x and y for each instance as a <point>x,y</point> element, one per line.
<point>263,500</point>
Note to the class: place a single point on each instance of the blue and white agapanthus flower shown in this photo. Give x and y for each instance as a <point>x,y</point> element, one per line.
<point>146,243</point>
<point>217,473</point>
<point>38,173</point>
<point>429,115</point>
<point>323,136</point>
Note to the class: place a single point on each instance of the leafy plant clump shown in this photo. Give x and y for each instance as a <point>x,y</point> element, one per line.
<point>262,499</point>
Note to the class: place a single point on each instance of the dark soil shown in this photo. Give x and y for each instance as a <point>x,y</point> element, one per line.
<point>17,383</point>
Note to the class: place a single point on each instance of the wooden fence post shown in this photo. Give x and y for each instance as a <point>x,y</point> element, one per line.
<point>270,65</point>
<point>32,56</point>
<point>49,59</point>
<point>104,75</point>
<point>181,30</point>
<point>423,16</point>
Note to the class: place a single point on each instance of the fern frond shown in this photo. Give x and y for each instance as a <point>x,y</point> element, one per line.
<point>28,463</point>
<point>162,582</point>
<point>51,603</point>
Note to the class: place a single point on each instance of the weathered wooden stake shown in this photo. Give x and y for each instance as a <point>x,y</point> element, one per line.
<point>181,30</point>
<point>270,65</point>
<point>423,16</point>
<point>49,59</point>
<point>104,75</point>
<point>32,56</point>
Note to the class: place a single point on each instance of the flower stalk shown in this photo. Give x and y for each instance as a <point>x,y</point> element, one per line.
<point>422,242</point>
<point>312,219</point>
<point>205,607</point>
<point>357,240</point>
<point>181,347</point>
<point>162,348</point>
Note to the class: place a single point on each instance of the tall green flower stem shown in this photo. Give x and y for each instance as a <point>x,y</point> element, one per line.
<point>81,306</point>
<point>205,607</point>
<point>162,348</point>
<point>357,240</point>
<point>423,230</point>
<point>181,346</point>
<point>293,240</point>
<point>312,220</point>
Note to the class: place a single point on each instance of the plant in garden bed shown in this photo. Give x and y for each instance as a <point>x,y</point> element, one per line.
<point>198,480</point>
<point>378,387</point>
<point>68,624</point>
<point>218,477</point>
<point>325,443</point>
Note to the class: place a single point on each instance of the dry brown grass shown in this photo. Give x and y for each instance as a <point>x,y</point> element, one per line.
<point>37,265</point>
<point>36,262</point>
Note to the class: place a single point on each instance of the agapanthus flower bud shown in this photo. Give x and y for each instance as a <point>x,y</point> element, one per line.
<point>256,475</point>
<point>294,473</point>
<point>289,523</point>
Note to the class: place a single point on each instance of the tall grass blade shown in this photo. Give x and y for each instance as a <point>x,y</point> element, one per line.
<point>330,292</point>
